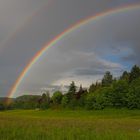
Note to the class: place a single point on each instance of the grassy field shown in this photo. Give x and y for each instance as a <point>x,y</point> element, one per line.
<point>110,124</point>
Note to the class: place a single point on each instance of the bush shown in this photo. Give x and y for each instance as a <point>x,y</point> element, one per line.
<point>2,107</point>
<point>64,101</point>
<point>133,96</point>
<point>94,102</point>
<point>57,97</point>
<point>119,94</point>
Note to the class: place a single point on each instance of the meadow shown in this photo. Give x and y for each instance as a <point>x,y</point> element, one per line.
<point>107,124</point>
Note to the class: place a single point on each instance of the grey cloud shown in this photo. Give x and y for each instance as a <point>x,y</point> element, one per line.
<point>13,13</point>
<point>49,19</point>
<point>84,49</point>
<point>89,72</point>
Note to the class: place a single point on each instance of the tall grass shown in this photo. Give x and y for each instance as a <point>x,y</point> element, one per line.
<point>70,125</point>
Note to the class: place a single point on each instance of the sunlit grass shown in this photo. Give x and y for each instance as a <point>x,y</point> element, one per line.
<point>108,124</point>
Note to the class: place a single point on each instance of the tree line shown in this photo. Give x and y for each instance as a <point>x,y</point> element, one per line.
<point>110,92</point>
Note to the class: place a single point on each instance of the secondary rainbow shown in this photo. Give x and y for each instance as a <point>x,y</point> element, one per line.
<point>62,35</point>
<point>24,24</point>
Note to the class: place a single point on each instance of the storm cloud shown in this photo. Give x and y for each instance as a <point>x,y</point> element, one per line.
<point>111,43</point>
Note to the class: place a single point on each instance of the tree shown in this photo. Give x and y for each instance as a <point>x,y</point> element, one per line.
<point>133,96</point>
<point>81,101</point>
<point>100,99</point>
<point>64,101</point>
<point>94,102</point>
<point>26,101</point>
<point>125,76</point>
<point>92,88</point>
<point>72,88</point>
<point>120,90</point>
<point>80,92</point>
<point>44,101</point>
<point>135,73</point>
<point>71,91</point>
<point>107,79</point>
<point>57,97</point>
<point>48,98</point>
<point>2,107</point>
<point>73,103</point>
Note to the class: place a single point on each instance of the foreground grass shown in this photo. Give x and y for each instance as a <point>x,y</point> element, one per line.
<point>111,124</point>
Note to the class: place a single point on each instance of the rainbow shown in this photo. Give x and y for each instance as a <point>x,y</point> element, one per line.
<point>62,35</point>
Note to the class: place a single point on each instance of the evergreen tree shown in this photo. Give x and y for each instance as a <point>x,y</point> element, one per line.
<point>64,101</point>
<point>107,79</point>
<point>48,98</point>
<point>135,73</point>
<point>92,88</point>
<point>119,93</point>
<point>125,76</point>
<point>133,96</point>
<point>72,90</point>
<point>44,101</point>
<point>80,92</point>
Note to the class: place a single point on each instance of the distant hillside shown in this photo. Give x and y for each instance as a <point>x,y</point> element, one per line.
<point>23,98</point>
<point>3,99</point>
<point>27,98</point>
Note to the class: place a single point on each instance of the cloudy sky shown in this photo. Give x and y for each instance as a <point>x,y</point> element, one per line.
<point>109,43</point>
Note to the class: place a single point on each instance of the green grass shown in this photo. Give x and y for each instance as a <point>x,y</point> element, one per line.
<point>108,124</point>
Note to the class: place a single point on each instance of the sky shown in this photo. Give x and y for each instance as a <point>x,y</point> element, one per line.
<point>110,43</point>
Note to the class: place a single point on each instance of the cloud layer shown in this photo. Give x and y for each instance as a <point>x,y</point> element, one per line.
<point>27,25</point>
<point>86,53</point>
